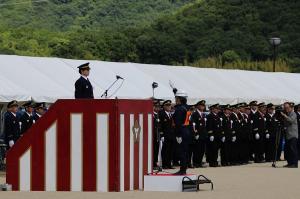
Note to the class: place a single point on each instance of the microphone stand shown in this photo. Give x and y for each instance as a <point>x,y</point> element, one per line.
<point>104,94</point>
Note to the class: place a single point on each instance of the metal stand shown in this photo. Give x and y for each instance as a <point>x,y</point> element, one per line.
<point>104,94</point>
<point>277,140</point>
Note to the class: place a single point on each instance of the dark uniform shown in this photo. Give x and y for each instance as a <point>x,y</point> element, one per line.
<point>270,137</point>
<point>26,122</point>
<point>11,125</point>
<point>182,132</point>
<point>26,119</point>
<point>245,138</point>
<point>37,106</point>
<point>36,117</point>
<point>298,119</point>
<point>83,87</point>
<point>167,133</point>
<point>156,132</point>
<point>258,131</point>
<point>199,131</point>
<point>225,138</point>
<point>156,137</point>
<point>235,139</point>
<point>214,129</point>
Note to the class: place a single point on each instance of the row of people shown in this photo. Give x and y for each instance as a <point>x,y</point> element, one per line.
<point>17,122</point>
<point>240,133</point>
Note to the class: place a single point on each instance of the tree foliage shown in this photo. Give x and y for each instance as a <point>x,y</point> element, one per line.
<point>194,32</point>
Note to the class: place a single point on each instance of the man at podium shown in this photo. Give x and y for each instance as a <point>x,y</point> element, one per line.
<point>83,87</point>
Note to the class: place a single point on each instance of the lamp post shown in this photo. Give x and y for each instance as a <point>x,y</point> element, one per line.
<point>275,42</point>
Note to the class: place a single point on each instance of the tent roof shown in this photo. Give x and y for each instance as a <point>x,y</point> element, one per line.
<point>48,79</point>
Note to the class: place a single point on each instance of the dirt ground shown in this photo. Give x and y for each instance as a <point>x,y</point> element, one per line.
<point>252,181</point>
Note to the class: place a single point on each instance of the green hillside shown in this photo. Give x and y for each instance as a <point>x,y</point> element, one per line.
<point>209,28</point>
<point>201,33</point>
<point>83,14</point>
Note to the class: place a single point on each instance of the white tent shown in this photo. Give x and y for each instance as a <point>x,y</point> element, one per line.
<point>49,79</point>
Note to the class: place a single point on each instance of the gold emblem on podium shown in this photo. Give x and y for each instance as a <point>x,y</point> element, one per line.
<point>136,129</point>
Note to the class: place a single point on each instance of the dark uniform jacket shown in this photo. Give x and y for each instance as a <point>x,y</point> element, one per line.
<point>36,117</point>
<point>166,125</point>
<point>11,127</point>
<point>179,118</point>
<point>156,127</point>
<point>246,127</point>
<point>83,89</point>
<point>271,125</point>
<point>258,122</point>
<point>199,122</point>
<point>214,125</point>
<point>226,127</point>
<point>26,122</point>
<point>236,125</point>
<point>298,119</point>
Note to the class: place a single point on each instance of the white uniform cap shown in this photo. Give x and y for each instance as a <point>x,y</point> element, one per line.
<point>181,93</point>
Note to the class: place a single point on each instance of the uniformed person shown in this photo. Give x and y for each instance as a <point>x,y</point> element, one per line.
<point>245,133</point>
<point>214,129</point>
<point>167,134</point>
<point>39,109</point>
<point>192,143</point>
<point>11,124</point>
<point>258,130</point>
<point>298,119</point>
<point>226,135</point>
<point>235,136</point>
<point>83,87</point>
<point>199,132</point>
<point>156,132</point>
<point>270,133</point>
<point>27,117</point>
<point>181,119</point>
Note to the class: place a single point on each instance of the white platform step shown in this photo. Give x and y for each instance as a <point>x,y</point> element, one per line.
<point>165,182</point>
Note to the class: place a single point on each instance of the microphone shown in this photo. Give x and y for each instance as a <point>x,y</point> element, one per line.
<point>119,77</point>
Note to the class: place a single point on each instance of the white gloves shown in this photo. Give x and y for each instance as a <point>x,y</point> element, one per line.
<point>20,125</point>
<point>257,136</point>
<point>179,140</point>
<point>233,139</point>
<point>197,137</point>
<point>11,143</point>
<point>223,139</point>
<point>162,139</point>
<point>211,138</point>
<point>33,121</point>
<point>268,136</point>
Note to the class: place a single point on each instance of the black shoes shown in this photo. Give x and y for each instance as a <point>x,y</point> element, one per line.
<point>290,166</point>
<point>180,173</point>
<point>213,165</point>
<point>168,167</point>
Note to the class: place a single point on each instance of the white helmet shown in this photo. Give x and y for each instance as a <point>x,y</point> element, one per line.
<point>181,93</point>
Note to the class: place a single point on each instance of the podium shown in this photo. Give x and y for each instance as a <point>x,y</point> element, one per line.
<point>85,145</point>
